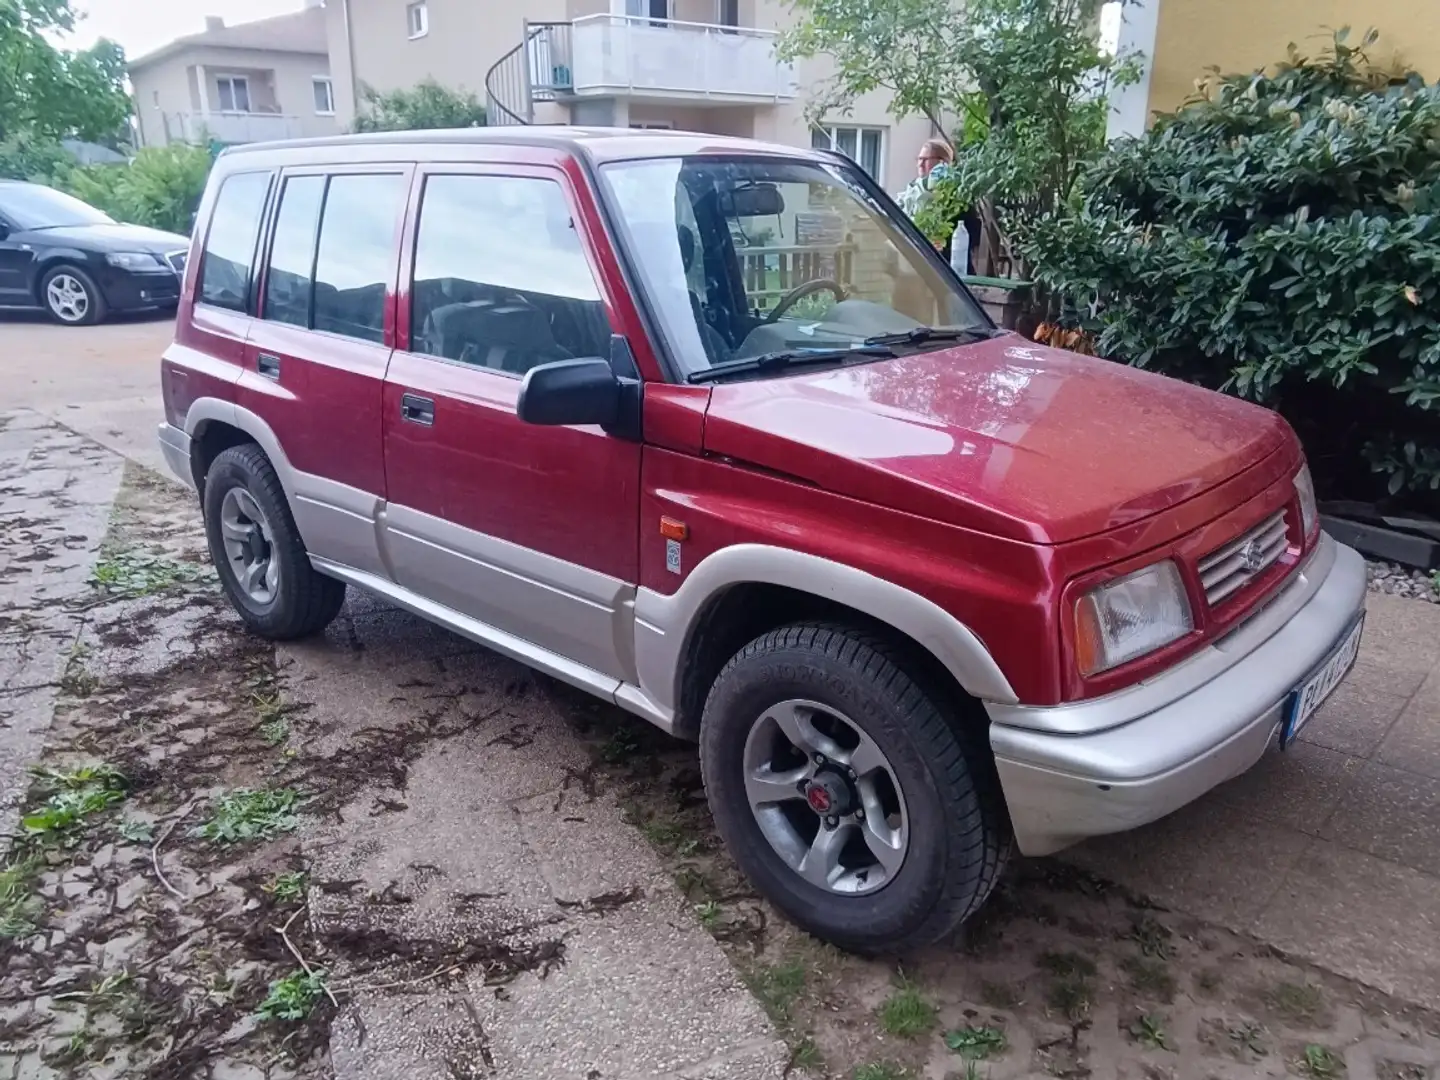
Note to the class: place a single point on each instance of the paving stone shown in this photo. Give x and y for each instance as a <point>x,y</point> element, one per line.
<point>1360,712</point>
<point>1298,788</point>
<point>1393,814</point>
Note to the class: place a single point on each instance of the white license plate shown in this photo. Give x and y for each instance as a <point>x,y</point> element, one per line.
<point>1312,694</point>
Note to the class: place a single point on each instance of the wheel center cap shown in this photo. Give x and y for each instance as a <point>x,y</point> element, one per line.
<point>828,794</point>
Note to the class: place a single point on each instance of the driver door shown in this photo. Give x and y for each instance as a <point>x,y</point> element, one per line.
<point>531,530</point>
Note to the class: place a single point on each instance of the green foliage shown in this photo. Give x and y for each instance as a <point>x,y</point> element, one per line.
<point>251,814</point>
<point>976,1042</point>
<point>287,887</point>
<point>1037,117</point>
<point>27,156</point>
<point>161,187</point>
<point>50,92</point>
<point>74,796</point>
<point>19,906</point>
<point>907,1012</point>
<point>1279,238</point>
<point>292,997</point>
<point>423,107</point>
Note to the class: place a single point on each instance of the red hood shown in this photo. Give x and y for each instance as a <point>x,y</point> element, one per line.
<point>1004,436</point>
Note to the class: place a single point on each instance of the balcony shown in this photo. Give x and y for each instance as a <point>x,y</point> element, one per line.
<point>683,62</point>
<point>230,127</point>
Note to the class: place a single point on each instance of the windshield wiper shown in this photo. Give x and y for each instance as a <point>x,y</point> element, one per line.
<point>773,361</point>
<point>922,334</point>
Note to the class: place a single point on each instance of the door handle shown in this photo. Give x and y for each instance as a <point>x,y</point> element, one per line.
<point>268,365</point>
<point>417,410</point>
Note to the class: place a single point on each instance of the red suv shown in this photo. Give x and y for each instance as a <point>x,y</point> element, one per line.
<point>705,427</point>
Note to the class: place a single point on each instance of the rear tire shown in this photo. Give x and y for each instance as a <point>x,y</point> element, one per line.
<point>263,566</point>
<point>934,799</point>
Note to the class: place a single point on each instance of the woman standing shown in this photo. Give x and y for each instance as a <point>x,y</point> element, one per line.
<point>934,164</point>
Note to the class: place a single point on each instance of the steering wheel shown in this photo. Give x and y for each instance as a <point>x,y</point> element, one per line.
<point>800,292</point>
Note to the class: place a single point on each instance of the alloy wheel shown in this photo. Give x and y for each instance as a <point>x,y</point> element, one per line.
<point>67,298</point>
<point>249,546</point>
<point>826,798</point>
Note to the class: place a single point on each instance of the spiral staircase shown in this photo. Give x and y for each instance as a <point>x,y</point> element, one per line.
<point>536,70</point>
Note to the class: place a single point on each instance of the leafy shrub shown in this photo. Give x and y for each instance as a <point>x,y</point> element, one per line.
<point>161,187</point>
<point>24,156</point>
<point>1279,238</point>
<point>424,107</point>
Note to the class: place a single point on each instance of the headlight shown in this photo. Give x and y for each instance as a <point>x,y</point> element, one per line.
<point>1305,489</point>
<point>133,260</point>
<point>1130,617</point>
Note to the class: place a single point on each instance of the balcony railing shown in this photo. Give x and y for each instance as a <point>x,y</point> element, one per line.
<point>230,127</point>
<point>628,55</point>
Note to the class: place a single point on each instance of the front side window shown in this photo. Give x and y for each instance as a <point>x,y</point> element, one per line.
<point>741,258</point>
<point>230,242</point>
<point>501,278</point>
<point>356,255</point>
<point>288,282</point>
<point>234,92</point>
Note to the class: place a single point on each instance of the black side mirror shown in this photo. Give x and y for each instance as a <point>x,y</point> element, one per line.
<point>583,391</point>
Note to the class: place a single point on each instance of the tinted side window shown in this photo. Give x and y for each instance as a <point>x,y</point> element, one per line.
<point>501,279</point>
<point>230,242</point>
<point>292,252</point>
<point>357,254</point>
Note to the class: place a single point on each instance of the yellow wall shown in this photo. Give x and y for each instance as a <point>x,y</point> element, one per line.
<point>1242,35</point>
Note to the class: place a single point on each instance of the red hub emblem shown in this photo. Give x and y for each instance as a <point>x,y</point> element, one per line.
<point>818,798</point>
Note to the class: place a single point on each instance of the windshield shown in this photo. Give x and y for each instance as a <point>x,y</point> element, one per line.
<point>747,258</point>
<point>34,206</point>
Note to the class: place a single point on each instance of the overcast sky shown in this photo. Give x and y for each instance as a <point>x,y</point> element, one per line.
<point>140,27</point>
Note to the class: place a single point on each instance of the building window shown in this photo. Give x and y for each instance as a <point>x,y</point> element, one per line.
<point>657,11</point>
<point>653,125</point>
<point>417,19</point>
<point>324,96</point>
<point>234,93</point>
<point>864,146</point>
<point>501,278</point>
<point>729,13</point>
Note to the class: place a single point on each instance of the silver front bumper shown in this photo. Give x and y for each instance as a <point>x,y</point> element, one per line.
<point>1116,762</point>
<point>175,446</point>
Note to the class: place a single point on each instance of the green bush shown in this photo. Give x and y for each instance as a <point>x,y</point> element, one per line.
<point>1279,238</point>
<point>424,107</point>
<point>161,187</point>
<point>24,156</point>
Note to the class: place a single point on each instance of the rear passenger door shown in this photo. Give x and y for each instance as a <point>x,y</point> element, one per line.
<point>531,530</point>
<point>318,350</point>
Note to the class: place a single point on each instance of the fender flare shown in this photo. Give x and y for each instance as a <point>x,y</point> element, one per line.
<point>204,410</point>
<point>665,625</point>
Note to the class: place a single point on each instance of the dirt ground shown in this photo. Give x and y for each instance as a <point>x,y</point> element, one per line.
<point>161,916</point>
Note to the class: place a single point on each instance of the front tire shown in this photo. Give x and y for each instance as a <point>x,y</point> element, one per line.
<point>845,793</point>
<point>263,566</point>
<point>71,297</point>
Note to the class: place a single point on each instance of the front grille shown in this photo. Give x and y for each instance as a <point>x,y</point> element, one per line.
<point>176,259</point>
<point>1230,567</point>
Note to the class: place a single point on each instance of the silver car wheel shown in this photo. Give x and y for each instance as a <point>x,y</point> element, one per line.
<point>249,546</point>
<point>67,298</point>
<point>826,798</point>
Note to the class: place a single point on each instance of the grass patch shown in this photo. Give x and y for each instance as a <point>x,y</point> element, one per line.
<point>74,796</point>
<point>805,1055</point>
<point>133,574</point>
<point>907,1013</point>
<point>709,913</point>
<point>292,997</point>
<point>77,680</point>
<point>1149,1031</point>
<point>1299,1003</point>
<point>288,887</point>
<point>1149,977</point>
<point>251,814</point>
<point>1152,936</point>
<point>275,732</point>
<point>19,906</point>
<point>882,1070</point>
<point>1319,1062</point>
<point>777,987</point>
<point>1069,992</point>
<point>136,832</point>
<point>1067,965</point>
<point>976,1043</point>
<point>1247,1038</point>
<point>999,995</point>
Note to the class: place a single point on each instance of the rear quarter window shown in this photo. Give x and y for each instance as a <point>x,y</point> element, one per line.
<point>229,253</point>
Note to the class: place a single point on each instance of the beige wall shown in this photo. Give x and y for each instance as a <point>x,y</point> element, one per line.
<point>1241,36</point>
<point>466,37</point>
<point>279,83</point>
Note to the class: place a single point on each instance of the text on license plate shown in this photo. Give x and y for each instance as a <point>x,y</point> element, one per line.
<point>1311,695</point>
